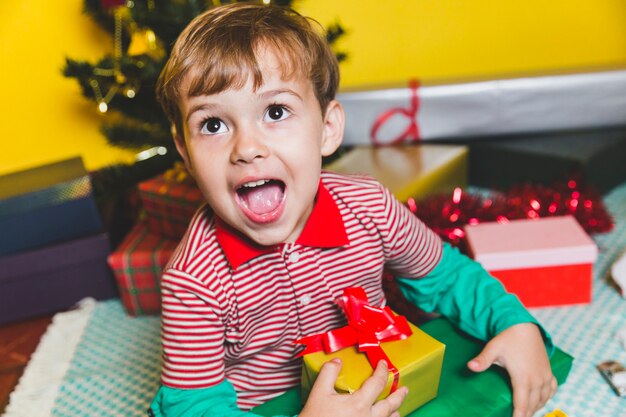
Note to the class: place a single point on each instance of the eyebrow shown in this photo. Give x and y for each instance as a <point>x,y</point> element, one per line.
<point>196,107</point>
<point>273,93</point>
<point>264,95</point>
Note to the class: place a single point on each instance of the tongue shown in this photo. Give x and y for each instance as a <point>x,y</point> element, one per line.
<point>263,199</point>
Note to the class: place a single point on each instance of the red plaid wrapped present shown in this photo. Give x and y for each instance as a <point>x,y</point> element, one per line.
<point>137,264</point>
<point>170,201</point>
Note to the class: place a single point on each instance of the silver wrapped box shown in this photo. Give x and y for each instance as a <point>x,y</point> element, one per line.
<point>478,109</point>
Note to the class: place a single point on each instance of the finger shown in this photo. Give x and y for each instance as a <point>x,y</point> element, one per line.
<point>554,386</point>
<point>548,390</point>
<point>521,398</point>
<point>535,402</point>
<point>484,360</point>
<point>390,405</point>
<point>544,395</point>
<point>325,381</point>
<point>374,385</point>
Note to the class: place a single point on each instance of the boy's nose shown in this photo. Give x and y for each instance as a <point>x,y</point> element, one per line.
<point>247,147</point>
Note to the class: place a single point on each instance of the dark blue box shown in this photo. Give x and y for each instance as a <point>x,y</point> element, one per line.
<point>47,204</point>
<point>597,157</point>
<point>55,277</point>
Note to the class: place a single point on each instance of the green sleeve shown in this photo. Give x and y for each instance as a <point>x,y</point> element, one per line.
<point>463,291</point>
<point>219,400</point>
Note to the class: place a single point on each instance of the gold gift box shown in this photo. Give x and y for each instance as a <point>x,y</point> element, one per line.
<point>415,171</point>
<point>418,358</point>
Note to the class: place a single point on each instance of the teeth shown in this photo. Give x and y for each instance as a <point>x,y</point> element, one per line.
<point>252,184</point>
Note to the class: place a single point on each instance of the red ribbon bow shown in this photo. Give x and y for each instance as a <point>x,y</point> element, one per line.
<point>367,327</point>
<point>412,131</point>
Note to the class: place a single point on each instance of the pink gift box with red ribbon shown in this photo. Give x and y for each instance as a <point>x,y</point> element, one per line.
<point>546,261</point>
<point>422,111</point>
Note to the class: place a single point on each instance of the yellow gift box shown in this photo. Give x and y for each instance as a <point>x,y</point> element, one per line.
<point>408,170</point>
<point>418,358</point>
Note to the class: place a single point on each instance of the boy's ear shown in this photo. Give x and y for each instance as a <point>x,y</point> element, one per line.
<point>179,141</point>
<point>334,121</point>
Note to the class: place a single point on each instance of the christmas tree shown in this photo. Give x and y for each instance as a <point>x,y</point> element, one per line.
<point>122,83</point>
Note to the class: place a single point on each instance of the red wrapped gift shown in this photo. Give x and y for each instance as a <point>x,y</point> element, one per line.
<point>170,201</point>
<point>137,264</point>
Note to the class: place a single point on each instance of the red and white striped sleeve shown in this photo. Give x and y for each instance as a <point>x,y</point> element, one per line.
<point>411,248</point>
<point>193,332</point>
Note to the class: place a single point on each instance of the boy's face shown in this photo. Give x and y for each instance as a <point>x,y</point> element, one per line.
<point>256,155</point>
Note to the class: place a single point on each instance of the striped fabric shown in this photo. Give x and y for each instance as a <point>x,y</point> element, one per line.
<point>241,323</point>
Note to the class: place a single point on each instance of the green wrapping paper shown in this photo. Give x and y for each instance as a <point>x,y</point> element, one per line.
<point>461,392</point>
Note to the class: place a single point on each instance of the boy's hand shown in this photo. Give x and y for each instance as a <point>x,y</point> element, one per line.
<point>324,401</point>
<point>521,351</point>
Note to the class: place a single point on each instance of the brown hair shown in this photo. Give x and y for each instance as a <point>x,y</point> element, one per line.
<point>217,50</point>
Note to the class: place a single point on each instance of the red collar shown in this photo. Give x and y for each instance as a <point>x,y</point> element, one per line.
<point>323,229</point>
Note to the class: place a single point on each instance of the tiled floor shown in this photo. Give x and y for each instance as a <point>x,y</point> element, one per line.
<point>17,342</point>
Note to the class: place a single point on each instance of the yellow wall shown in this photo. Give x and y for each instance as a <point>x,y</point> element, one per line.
<point>454,39</point>
<point>45,118</point>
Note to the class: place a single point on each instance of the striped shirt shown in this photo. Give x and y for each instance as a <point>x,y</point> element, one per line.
<point>233,310</point>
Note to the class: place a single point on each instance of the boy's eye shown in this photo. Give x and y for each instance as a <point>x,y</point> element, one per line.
<point>213,126</point>
<point>276,112</point>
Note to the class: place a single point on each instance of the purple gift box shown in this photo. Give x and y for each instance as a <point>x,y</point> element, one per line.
<point>54,277</point>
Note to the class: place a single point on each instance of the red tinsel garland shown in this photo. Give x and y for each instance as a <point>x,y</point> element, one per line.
<point>446,214</point>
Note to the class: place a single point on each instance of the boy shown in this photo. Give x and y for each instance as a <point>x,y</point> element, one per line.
<point>250,92</point>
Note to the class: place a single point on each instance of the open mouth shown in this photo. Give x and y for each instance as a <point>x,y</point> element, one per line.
<point>260,199</point>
